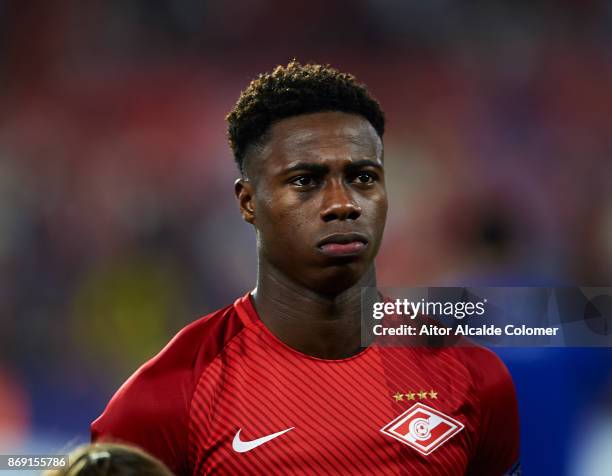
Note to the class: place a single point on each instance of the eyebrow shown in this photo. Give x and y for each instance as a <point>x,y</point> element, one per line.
<point>364,163</point>
<point>322,169</point>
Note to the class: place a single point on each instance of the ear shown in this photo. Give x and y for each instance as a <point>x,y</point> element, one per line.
<point>245,195</point>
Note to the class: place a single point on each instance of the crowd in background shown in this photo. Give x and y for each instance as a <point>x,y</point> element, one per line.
<point>117,216</point>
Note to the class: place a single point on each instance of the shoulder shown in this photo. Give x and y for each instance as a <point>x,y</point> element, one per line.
<point>489,373</point>
<point>151,409</point>
<point>198,343</point>
<point>498,428</point>
<point>190,351</point>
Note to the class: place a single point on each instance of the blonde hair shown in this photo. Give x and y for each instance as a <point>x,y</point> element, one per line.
<point>109,459</point>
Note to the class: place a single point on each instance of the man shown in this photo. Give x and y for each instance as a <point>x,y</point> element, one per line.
<point>278,382</point>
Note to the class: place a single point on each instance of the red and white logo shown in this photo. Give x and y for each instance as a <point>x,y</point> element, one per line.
<point>423,428</point>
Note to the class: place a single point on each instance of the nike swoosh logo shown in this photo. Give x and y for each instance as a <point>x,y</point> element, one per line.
<point>244,446</point>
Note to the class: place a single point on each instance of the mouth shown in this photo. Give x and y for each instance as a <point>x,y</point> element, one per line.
<point>343,244</point>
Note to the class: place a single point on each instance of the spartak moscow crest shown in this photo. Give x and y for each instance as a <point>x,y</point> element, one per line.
<point>423,428</point>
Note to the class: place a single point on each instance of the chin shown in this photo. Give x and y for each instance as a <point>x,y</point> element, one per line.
<point>337,279</point>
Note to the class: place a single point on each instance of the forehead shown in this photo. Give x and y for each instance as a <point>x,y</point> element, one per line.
<point>321,136</point>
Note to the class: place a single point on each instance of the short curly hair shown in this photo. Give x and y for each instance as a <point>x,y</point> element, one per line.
<point>293,90</point>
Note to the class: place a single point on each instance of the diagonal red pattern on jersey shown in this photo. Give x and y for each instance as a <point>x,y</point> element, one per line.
<point>261,386</point>
<point>226,372</point>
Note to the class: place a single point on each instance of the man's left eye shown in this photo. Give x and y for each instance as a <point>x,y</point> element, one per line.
<point>365,178</point>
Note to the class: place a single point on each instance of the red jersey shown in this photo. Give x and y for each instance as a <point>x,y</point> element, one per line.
<point>226,396</point>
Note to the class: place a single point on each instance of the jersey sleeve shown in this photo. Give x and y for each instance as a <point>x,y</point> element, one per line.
<point>497,451</point>
<point>150,411</point>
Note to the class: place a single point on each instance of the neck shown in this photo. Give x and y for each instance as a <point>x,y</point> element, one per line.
<point>323,326</point>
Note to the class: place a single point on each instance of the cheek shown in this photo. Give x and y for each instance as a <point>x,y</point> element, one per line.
<point>376,210</point>
<point>384,206</point>
<point>283,218</point>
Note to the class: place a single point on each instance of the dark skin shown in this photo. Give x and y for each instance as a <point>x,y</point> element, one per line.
<point>315,193</point>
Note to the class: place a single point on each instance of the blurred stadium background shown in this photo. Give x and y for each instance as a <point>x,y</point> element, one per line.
<point>117,218</point>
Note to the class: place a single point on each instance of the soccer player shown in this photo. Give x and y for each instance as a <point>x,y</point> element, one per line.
<point>278,382</point>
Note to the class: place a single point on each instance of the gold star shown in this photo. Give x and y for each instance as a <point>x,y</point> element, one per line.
<point>422,395</point>
<point>433,394</point>
<point>410,396</point>
<point>398,397</point>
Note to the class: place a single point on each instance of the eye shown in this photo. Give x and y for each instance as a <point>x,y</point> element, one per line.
<point>303,181</point>
<point>365,178</point>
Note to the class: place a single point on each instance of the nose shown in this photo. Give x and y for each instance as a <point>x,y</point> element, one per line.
<point>338,204</point>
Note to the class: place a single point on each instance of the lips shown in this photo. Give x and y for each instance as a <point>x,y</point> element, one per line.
<point>343,244</point>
